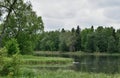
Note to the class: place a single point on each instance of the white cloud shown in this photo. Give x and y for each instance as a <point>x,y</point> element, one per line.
<point>57,14</point>
<point>113,13</point>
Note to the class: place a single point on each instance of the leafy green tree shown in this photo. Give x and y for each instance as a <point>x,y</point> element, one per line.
<point>84,35</point>
<point>6,6</point>
<point>63,47</point>
<point>73,30</point>
<point>63,30</point>
<point>118,47</point>
<point>12,47</point>
<point>118,40</point>
<point>101,40</point>
<point>111,45</point>
<point>78,39</point>
<point>90,44</point>
<point>22,24</point>
<point>78,30</point>
<point>49,41</point>
<point>71,41</point>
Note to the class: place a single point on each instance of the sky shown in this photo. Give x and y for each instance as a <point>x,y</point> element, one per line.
<point>58,14</point>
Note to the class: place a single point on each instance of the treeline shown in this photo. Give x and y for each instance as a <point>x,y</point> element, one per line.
<point>87,40</point>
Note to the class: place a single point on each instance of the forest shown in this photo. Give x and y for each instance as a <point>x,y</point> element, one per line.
<point>102,39</point>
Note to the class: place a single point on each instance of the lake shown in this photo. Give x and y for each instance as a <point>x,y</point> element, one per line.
<point>97,64</point>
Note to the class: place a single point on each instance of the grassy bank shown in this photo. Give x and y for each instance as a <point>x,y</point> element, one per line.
<point>50,63</point>
<point>68,54</point>
<point>62,74</point>
<point>73,74</point>
<point>31,68</point>
<point>36,60</point>
<point>30,63</point>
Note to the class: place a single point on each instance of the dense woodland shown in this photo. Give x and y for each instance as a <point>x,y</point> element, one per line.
<point>101,39</point>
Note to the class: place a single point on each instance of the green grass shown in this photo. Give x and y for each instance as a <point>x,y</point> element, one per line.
<point>30,63</point>
<point>62,74</point>
<point>79,53</point>
<point>35,60</point>
<point>57,62</point>
<point>73,74</point>
<point>30,69</point>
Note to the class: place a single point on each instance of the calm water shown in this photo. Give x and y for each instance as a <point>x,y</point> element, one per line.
<point>98,64</point>
<point>92,63</point>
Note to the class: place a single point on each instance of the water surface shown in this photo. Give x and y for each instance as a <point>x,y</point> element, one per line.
<point>97,64</point>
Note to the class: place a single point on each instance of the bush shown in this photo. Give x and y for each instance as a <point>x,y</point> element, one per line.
<point>11,67</point>
<point>3,53</point>
<point>12,47</point>
<point>26,47</point>
<point>28,73</point>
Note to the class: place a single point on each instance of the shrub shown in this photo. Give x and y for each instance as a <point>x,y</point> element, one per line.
<point>28,73</point>
<point>2,55</point>
<point>26,47</point>
<point>3,52</point>
<point>11,67</point>
<point>12,47</point>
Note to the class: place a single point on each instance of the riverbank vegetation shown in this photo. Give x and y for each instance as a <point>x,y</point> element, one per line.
<point>68,54</point>
<point>35,60</point>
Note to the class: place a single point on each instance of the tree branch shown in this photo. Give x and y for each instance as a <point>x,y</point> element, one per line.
<point>7,17</point>
<point>4,7</point>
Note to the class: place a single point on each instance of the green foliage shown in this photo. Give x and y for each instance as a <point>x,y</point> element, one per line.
<point>90,44</point>
<point>64,42</point>
<point>48,41</point>
<point>26,48</point>
<point>39,61</point>
<point>118,46</point>
<point>111,45</point>
<point>21,23</point>
<point>3,53</point>
<point>74,74</point>
<point>84,37</point>
<point>78,46</point>
<point>103,38</point>
<point>29,73</point>
<point>11,66</point>
<point>63,46</point>
<point>12,47</point>
<point>89,39</point>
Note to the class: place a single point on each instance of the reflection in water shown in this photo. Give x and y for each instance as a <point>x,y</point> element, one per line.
<point>103,64</point>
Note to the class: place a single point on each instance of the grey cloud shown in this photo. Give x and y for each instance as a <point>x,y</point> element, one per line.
<point>61,10</point>
<point>53,24</point>
<point>104,3</point>
<point>70,13</point>
<point>59,14</point>
<point>113,13</point>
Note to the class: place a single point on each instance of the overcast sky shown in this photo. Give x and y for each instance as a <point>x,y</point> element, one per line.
<point>67,14</point>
